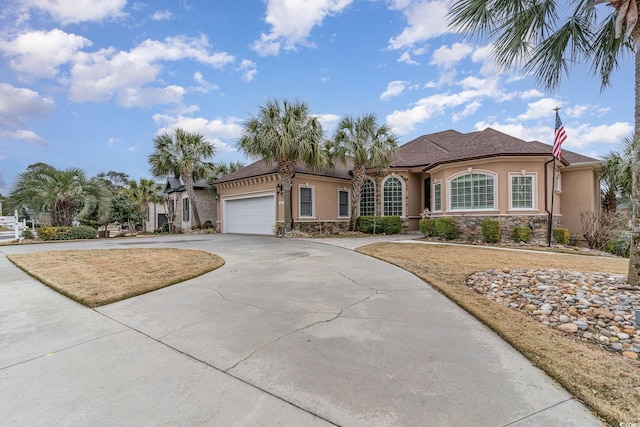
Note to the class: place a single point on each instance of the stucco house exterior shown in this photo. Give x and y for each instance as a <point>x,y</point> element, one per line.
<point>178,204</point>
<point>469,176</point>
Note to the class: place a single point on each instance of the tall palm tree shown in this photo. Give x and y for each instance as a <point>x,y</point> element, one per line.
<point>286,133</point>
<point>144,193</point>
<point>617,175</point>
<point>64,194</point>
<point>183,155</point>
<point>534,35</point>
<point>369,144</point>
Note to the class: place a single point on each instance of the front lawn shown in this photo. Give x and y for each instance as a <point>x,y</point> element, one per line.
<point>99,277</point>
<point>607,382</point>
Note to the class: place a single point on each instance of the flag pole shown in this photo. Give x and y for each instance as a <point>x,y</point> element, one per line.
<point>558,138</point>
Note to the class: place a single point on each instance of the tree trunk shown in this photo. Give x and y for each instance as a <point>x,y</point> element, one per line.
<point>187,179</point>
<point>634,250</point>
<point>286,170</point>
<point>358,179</point>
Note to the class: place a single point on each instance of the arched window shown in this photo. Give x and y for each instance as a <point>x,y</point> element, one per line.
<point>472,191</point>
<point>392,197</point>
<point>367,198</point>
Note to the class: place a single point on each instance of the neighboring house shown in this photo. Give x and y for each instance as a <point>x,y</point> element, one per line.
<point>472,176</point>
<point>178,204</point>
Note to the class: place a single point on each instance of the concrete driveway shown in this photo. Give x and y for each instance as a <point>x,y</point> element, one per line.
<point>287,332</point>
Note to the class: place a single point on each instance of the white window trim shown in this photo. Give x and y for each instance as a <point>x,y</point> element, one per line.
<point>496,202</point>
<point>345,190</point>
<point>433,196</point>
<point>558,183</point>
<point>404,193</point>
<point>313,201</point>
<point>374,195</point>
<point>534,190</point>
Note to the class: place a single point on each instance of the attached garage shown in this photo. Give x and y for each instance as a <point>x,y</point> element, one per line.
<point>250,215</point>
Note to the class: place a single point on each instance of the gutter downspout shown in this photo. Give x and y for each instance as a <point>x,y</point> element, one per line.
<point>546,197</point>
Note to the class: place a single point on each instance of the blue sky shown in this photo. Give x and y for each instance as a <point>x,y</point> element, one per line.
<point>90,83</point>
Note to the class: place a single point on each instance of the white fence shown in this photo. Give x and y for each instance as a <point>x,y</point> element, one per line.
<point>12,222</point>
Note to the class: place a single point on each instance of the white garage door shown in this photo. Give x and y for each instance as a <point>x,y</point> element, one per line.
<point>252,215</point>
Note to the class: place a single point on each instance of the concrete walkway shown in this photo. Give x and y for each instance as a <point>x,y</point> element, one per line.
<point>287,332</point>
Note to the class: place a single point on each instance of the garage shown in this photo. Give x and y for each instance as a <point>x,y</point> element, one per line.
<point>250,215</point>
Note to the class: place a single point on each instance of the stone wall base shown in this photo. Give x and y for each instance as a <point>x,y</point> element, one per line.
<point>472,225</point>
<point>322,227</point>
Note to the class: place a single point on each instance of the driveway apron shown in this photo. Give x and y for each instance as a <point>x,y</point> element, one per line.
<point>287,332</point>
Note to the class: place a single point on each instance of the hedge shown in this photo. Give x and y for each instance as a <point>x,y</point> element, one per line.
<point>560,235</point>
<point>521,234</point>
<point>491,231</point>
<point>67,233</point>
<point>428,227</point>
<point>383,224</point>
<point>447,228</point>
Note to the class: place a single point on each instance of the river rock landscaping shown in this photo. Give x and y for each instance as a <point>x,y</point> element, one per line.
<point>596,307</point>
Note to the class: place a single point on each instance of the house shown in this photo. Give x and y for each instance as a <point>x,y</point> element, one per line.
<point>178,209</point>
<point>468,176</point>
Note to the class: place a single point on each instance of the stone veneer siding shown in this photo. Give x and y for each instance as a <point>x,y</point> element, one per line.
<point>322,227</point>
<point>470,225</point>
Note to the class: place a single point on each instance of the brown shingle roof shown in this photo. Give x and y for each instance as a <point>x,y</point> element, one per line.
<point>261,167</point>
<point>452,146</point>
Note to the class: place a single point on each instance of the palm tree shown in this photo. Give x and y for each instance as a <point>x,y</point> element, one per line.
<point>64,194</point>
<point>285,133</point>
<point>532,34</point>
<point>183,155</point>
<point>223,169</point>
<point>369,145</point>
<point>617,176</point>
<point>144,193</point>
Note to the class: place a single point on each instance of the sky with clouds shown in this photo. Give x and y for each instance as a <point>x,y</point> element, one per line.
<point>90,83</point>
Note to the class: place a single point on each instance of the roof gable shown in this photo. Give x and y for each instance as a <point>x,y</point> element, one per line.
<point>261,167</point>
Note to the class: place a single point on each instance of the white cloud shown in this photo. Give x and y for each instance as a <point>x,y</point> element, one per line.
<point>19,103</point>
<point>204,86</point>
<point>248,70</point>
<point>113,141</point>
<point>162,15</point>
<point>533,93</point>
<point>540,109</point>
<point>328,121</point>
<point>74,11</point>
<point>215,130</point>
<point>425,19</point>
<point>101,75</point>
<point>40,53</point>
<point>292,21</point>
<point>394,88</point>
<point>446,57</point>
<point>28,136</point>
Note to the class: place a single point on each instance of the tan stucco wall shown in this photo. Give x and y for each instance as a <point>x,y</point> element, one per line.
<point>578,195</point>
<point>325,195</point>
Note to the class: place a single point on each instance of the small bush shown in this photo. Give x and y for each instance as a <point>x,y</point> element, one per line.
<point>574,239</point>
<point>428,227</point>
<point>619,247</point>
<point>391,224</point>
<point>48,233</point>
<point>76,233</point>
<point>207,224</point>
<point>491,231</point>
<point>560,235</point>
<point>447,228</point>
<point>278,229</point>
<point>521,234</point>
<point>367,224</point>
<point>27,234</point>
<point>165,228</point>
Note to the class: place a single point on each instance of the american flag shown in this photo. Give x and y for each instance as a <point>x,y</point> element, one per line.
<point>559,137</point>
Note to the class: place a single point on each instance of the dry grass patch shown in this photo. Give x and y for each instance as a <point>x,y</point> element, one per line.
<point>99,277</point>
<point>607,382</point>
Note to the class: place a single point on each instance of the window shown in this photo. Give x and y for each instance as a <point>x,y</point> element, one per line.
<point>392,197</point>
<point>437,196</point>
<point>306,201</point>
<point>343,203</point>
<point>367,198</point>
<point>472,191</point>
<point>558,181</point>
<point>185,209</point>
<point>522,192</point>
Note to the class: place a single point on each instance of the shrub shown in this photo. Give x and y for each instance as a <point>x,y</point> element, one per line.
<point>165,228</point>
<point>367,224</point>
<point>428,227</point>
<point>560,235</point>
<point>619,247</point>
<point>278,229</point>
<point>207,224</point>
<point>27,234</point>
<point>447,228</point>
<point>574,239</point>
<point>491,231</point>
<point>76,233</point>
<point>391,224</point>
<point>521,234</point>
<point>48,233</point>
